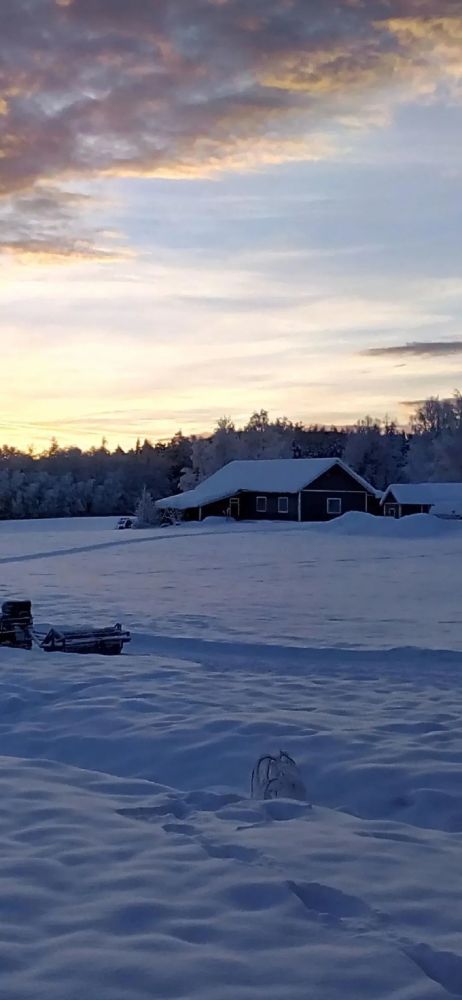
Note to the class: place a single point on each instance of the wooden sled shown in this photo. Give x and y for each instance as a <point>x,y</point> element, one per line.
<point>17,630</point>
<point>109,641</point>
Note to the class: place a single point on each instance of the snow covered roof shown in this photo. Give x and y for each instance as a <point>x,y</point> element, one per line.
<point>273,475</point>
<point>424,493</point>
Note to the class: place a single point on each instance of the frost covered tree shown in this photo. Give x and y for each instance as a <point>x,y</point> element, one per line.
<point>420,465</point>
<point>146,513</point>
<point>434,415</point>
<point>376,451</point>
<point>210,454</point>
<point>435,451</point>
<point>447,456</point>
<point>68,482</point>
<point>447,443</point>
<point>262,438</point>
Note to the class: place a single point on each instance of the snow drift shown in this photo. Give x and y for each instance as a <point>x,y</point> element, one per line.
<point>134,862</point>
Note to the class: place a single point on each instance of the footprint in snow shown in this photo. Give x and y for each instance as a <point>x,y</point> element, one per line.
<point>185,829</point>
<point>234,852</point>
<point>149,814</point>
<point>327,901</point>
<point>444,967</point>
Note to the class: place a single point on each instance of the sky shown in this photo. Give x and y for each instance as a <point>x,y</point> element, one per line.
<point>210,207</point>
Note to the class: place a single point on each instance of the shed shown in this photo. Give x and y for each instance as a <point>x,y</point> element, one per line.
<point>293,489</point>
<point>401,499</point>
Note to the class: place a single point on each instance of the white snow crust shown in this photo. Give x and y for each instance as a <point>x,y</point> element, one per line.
<point>134,863</point>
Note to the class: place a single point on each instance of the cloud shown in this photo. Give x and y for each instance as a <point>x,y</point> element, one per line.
<point>417,348</point>
<point>416,404</point>
<point>176,89</point>
<point>189,88</point>
<point>52,225</point>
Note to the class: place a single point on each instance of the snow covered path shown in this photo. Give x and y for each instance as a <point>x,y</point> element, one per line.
<point>134,863</point>
<point>360,581</point>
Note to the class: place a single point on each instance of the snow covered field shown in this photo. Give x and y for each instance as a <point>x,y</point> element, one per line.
<point>134,863</point>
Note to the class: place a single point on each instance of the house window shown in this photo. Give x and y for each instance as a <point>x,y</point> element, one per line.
<point>390,510</point>
<point>334,505</point>
<point>283,505</point>
<point>261,505</point>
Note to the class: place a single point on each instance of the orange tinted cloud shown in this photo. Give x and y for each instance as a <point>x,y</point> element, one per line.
<point>436,41</point>
<point>102,85</point>
<point>40,252</point>
<point>173,89</point>
<point>52,225</point>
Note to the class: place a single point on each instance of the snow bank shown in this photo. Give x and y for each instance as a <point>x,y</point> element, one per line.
<point>53,525</point>
<point>334,584</point>
<point>134,863</point>
<point>353,523</point>
<point>114,889</point>
<point>413,526</point>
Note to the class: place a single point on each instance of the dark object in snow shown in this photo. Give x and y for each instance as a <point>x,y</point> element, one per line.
<point>18,611</point>
<point>277,778</point>
<point>16,629</point>
<point>109,641</point>
<point>16,624</point>
<point>124,522</point>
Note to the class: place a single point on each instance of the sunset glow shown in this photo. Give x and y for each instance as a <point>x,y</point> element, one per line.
<point>209,208</point>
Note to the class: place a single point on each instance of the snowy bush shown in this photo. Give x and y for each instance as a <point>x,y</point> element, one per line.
<point>147,514</point>
<point>277,778</point>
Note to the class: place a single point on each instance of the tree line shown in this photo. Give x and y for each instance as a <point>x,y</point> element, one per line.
<point>66,482</point>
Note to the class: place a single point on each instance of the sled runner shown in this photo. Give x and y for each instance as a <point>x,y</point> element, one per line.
<point>95,640</point>
<point>17,629</point>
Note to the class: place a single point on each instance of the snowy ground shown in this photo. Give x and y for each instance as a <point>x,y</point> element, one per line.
<point>134,863</point>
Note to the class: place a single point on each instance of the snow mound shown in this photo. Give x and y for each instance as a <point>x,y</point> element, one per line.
<point>412,526</point>
<point>118,889</point>
<point>134,862</point>
<point>213,522</point>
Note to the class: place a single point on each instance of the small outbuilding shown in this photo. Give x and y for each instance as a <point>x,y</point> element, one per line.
<point>293,489</point>
<point>443,499</point>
